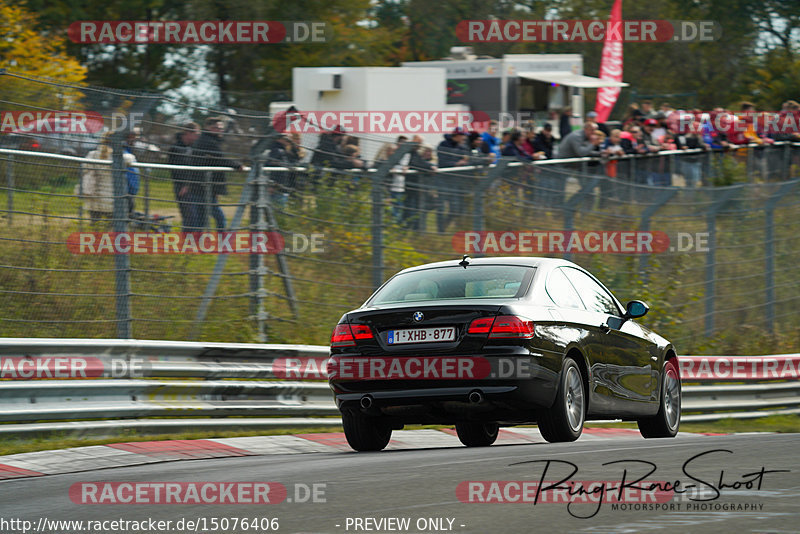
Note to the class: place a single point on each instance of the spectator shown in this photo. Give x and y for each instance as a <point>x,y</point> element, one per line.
<point>647,109</point>
<point>648,136</point>
<point>612,148</point>
<point>632,114</point>
<point>491,144</point>
<point>543,142</point>
<point>418,184</point>
<point>132,173</point>
<point>547,178</point>
<point>282,154</point>
<point>452,152</point>
<point>514,148</point>
<point>188,190</point>
<point>580,143</point>
<point>208,150</point>
<point>564,126</point>
<point>478,156</point>
<point>691,165</point>
<point>661,127</point>
<point>350,158</point>
<point>592,116</point>
<point>788,122</point>
<point>329,153</point>
<point>397,184</point>
<point>668,142</point>
<point>97,181</point>
<point>657,168</point>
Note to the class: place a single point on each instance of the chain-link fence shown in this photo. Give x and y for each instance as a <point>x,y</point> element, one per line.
<point>714,247</point>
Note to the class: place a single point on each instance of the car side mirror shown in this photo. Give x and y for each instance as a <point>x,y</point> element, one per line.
<point>635,308</point>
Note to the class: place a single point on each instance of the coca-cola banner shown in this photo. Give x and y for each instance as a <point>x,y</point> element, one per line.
<point>610,67</point>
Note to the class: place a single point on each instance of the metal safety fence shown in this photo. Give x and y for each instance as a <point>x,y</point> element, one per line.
<point>105,386</point>
<point>719,276</point>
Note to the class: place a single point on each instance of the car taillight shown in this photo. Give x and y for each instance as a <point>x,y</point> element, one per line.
<point>511,326</point>
<point>502,326</point>
<point>361,331</point>
<point>345,335</point>
<point>342,337</point>
<point>480,326</point>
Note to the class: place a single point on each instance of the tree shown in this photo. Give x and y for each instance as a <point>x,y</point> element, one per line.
<point>25,51</point>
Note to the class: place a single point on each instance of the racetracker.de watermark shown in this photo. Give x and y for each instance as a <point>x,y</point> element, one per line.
<point>66,122</point>
<point>577,241</point>
<point>198,32</point>
<point>71,367</point>
<point>403,368</point>
<point>105,243</point>
<point>177,493</point>
<point>587,31</point>
<point>383,122</point>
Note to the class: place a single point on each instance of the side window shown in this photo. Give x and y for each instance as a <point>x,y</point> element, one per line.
<point>561,291</point>
<point>593,295</point>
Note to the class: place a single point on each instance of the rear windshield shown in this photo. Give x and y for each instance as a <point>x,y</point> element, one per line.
<point>443,283</point>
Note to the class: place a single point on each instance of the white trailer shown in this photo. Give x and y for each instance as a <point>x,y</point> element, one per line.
<point>371,89</point>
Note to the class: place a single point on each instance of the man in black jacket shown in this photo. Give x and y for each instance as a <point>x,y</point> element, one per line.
<point>188,192</point>
<point>208,151</point>
<point>451,190</point>
<point>543,142</point>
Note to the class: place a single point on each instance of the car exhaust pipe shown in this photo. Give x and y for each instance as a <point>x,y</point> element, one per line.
<point>366,402</point>
<point>475,397</point>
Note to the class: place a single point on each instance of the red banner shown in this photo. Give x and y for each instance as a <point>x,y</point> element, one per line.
<point>610,67</point>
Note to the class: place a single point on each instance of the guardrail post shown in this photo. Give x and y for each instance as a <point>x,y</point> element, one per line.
<point>258,267</point>
<point>122,262</point>
<point>10,182</point>
<point>711,266</point>
<point>644,226</point>
<point>769,251</point>
<point>222,259</point>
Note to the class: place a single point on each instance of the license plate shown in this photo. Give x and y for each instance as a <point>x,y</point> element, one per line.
<point>421,335</point>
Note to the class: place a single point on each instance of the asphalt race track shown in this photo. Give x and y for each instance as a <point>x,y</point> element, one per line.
<point>419,484</point>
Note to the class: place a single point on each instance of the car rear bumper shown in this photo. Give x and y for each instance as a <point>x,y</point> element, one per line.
<point>511,401</point>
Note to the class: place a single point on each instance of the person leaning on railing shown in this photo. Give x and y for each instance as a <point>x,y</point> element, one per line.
<point>185,183</point>
<point>97,181</point>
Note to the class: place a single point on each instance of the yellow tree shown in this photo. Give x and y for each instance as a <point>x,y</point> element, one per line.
<point>26,52</point>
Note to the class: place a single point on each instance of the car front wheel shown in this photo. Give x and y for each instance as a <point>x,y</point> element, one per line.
<point>477,434</point>
<point>366,433</point>
<point>564,420</point>
<point>666,422</point>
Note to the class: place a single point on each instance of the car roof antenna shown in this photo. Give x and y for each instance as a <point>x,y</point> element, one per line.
<point>464,261</point>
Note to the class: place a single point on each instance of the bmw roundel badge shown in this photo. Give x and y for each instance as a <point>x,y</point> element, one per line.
<point>418,316</point>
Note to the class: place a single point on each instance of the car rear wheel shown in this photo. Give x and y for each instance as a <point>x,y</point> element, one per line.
<point>474,434</point>
<point>564,420</point>
<point>366,433</point>
<point>666,422</point>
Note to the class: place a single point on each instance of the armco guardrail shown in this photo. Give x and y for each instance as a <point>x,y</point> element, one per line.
<point>104,386</point>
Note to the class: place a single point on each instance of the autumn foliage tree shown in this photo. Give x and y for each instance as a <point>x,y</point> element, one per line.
<point>26,51</point>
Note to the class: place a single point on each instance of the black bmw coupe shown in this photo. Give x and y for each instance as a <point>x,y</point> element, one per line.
<point>491,342</point>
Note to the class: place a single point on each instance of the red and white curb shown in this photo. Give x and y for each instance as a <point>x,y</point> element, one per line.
<point>34,464</point>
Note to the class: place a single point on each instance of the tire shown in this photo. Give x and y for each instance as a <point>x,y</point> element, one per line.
<point>477,434</point>
<point>666,422</point>
<point>563,421</point>
<point>366,433</point>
